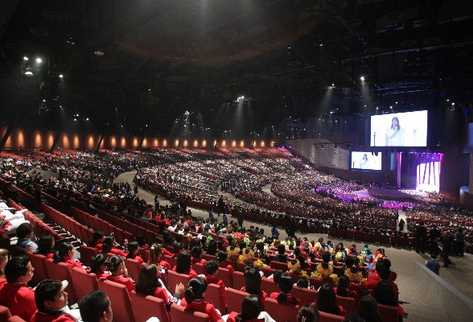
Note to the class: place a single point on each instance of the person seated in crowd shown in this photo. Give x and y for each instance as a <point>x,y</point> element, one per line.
<point>98,266</point>
<point>284,296</point>
<point>65,254</point>
<point>308,314</point>
<point>97,240</point>
<point>340,253</point>
<point>119,273</point>
<point>324,271</point>
<point>386,291</point>
<point>156,256</point>
<point>223,262</point>
<point>109,249</point>
<point>46,245</point>
<point>133,249</point>
<point>25,235</point>
<point>51,300</point>
<point>96,307</point>
<point>183,265</point>
<point>15,294</point>
<point>194,300</point>
<point>343,287</point>
<point>374,276</point>
<point>327,300</point>
<point>3,263</point>
<point>281,256</point>
<point>253,284</point>
<point>368,309</point>
<point>251,311</point>
<point>196,253</point>
<point>150,284</point>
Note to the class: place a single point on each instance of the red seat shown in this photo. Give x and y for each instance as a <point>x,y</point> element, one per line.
<point>278,265</point>
<point>4,313</point>
<point>149,306</point>
<point>226,276</point>
<point>61,271</point>
<point>389,313</point>
<point>281,312</point>
<point>213,295</point>
<point>348,304</point>
<point>199,268</point>
<point>238,280</point>
<point>86,254</point>
<point>40,273</point>
<point>178,313</point>
<point>268,285</point>
<point>305,295</point>
<point>133,268</point>
<point>234,299</point>
<point>176,278</point>
<point>83,283</point>
<point>121,304</point>
<point>327,317</point>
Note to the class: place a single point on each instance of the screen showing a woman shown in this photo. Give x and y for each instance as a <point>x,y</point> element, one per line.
<point>395,134</point>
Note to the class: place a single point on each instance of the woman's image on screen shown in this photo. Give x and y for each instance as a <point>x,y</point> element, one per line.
<point>395,134</point>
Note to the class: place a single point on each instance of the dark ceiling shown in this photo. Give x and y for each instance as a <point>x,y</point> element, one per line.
<point>146,62</point>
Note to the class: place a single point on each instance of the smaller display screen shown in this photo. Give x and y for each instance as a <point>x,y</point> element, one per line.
<point>366,160</point>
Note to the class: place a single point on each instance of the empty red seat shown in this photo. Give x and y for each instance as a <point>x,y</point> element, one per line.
<point>38,260</point>
<point>268,285</point>
<point>226,276</point>
<point>121,304</point>
<point>348,304</point>
<point>179,313</point>
<point>145,307</point>
<point>238,280</point>
<point>133,268</point>
<point>281,312</point>
<point>327,317</point>
<point>389,313</point>
<point>176,278</point>
<point>213,294</point>
<point>199,268</point>
<point>234,299</point>
<point>83,282</point>
<point>306,296</point>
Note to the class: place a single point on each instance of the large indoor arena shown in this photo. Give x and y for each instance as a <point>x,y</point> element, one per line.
<point>245,160</point>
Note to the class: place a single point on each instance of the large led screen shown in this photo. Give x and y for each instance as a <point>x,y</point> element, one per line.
<point>366,160</point>
<point>399,129</point>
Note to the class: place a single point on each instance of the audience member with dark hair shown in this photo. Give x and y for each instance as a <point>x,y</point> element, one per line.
<point>327,301</point>
<point>133,248</point>
<point>96,307</point>
<point>284,296</point>
<point>149,284</point>
<point>119,273</point>
<point>251,311</point>
<point>368,309</point>
<point>51,300</point>
<point>253,284</point>
<point>25,235</point>
<point>194,299</point>
<point>65,254</point>
<point>183,264</point>
<point>308,314</point>
<point>46,246</point>
<point>15,294</point>
<point>98,266</point>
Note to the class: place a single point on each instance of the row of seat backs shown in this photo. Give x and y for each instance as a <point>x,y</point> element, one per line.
<point>5,315</point>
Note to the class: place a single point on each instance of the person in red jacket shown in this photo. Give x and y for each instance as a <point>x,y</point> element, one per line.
<point>284,296</point>
<point>109,249</point>
<point>183,265</point>
<point>16,295</point>
<point>119,275</point>
<point>133,248</point>
<point>149,284</point>
<point>98,266</point>
<point>251,311</point>
<point>51,300</point>
<point>211,268</point>
<point>65,254</point>
<point>194,300</point>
